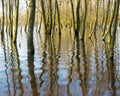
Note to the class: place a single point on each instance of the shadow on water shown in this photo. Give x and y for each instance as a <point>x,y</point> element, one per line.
<point>60,66</point>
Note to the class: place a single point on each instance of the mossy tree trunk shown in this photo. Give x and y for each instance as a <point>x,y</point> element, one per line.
<point>31,26</point>
<point>15,21</point>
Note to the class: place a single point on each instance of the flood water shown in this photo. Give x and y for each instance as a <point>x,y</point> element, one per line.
<point>61,66</point>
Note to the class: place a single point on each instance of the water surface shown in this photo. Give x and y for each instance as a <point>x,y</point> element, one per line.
<point>61,66</point>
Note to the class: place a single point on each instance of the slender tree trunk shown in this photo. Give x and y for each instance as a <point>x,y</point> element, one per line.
<point>73,16</point>
<point>6,16</point>
<point>9,17</point>
<point>50,16</point>
<point>58,16</point>
<point>84,20</point>
<point>3,17</point>
<point>27,15</point>
<point>15,21</point>
<point>106,18</point>
<point>43,15</point>
<point>113,34</point>
<point>78,17</point>
<point>31,26</point>
<point>96,20</point>
<point>108,31</point>
<point>103,18</point>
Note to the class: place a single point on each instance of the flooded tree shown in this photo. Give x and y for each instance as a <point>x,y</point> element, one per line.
<point>53,55</point>
<point>31,26</point>
<point>96,20</point>
<point>43,15</point>
<point>3,17</point>
<point>15,21</point>
<point>84,20</point>
<point>75,17</point>
<point>9,2</point>
<point>115,21</point>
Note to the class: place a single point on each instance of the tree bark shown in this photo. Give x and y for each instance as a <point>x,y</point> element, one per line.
<point>15,21</point>
<point>31,26</point>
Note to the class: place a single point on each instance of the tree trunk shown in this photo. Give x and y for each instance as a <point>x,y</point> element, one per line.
<point>78,17</point>
<point>9,17</point>
<point>73,16</point>
<point>58,16</point>
<point>113,34</point>
<point>15,21</point>
<point>106,18</point>
<point>50,16</point>
<point>3,15</point>
<point>96,20</point>
<point>31,26</point>
<point>84,20</point>
<point>43,15</point>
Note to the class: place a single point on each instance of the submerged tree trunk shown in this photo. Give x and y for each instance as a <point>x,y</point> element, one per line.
<point>15,21</point>
<point>31,26</point>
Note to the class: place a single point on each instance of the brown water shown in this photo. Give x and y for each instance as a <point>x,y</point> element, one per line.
<point>61,66</point>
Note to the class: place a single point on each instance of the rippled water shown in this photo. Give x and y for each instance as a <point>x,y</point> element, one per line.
<point>61,66</point>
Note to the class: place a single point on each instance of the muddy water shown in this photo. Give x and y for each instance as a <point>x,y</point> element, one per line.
<point>61,66</point>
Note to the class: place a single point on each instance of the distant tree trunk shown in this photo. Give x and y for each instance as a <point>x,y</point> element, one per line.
<point>73,16</point>
<point>43,15</point>
<point>84,20</point>
<point>31,26</point>
<point>15,21</point>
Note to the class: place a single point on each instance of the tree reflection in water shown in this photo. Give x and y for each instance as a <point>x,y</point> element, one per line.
<point>60,66</point>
